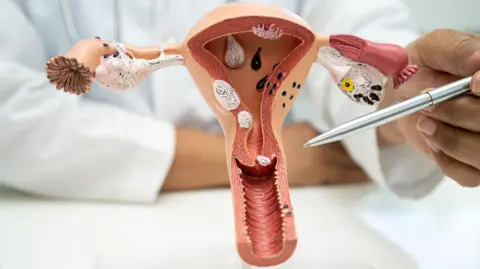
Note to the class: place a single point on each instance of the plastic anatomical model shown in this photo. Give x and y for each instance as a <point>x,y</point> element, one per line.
<point>249,62</point>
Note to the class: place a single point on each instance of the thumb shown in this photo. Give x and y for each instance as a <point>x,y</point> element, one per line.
<point>450,51</point>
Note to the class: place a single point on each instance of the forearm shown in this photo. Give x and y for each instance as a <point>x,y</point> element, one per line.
<point>200,162</point>
<point>200,159</point>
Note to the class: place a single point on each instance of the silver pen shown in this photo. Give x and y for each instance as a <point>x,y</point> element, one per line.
<point>392,113</point>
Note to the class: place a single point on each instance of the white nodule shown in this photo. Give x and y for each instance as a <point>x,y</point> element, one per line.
<point>360,81</point>
<point>234,54</point>
<point>226,95</point>
<point>271,32</point>
<point>245,119</point>
<point>262,160</point>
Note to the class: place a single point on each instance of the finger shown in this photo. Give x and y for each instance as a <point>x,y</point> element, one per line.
<point>463,174</point>
<point>458,112</point>
<point>459,144</point>
<point>450,51</point>
<point>475,84</point>
<point>130,54</point>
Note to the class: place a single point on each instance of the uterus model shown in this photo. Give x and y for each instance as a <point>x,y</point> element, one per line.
<point>249,62</point>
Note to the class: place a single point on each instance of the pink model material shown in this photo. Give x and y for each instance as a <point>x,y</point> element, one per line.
<point>249,62</point>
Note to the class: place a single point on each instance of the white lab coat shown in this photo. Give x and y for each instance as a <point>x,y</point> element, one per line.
<point>120,145</point>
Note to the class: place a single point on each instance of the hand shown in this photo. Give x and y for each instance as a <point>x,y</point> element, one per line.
<point>449,133</point>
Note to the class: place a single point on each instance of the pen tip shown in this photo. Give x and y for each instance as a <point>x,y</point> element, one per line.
<point>306,145</point>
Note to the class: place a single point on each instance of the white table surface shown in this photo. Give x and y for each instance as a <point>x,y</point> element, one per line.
<point>439,232</point>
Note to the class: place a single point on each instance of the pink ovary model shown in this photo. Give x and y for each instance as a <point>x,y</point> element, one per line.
<point>387,58</point>
<point>248,61</point>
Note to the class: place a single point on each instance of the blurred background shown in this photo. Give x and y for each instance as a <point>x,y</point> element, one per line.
<point>441,231</point>
<point>434,14</point>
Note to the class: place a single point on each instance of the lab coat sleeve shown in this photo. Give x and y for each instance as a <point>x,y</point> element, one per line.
<point>402,170</point>
<point>57,144</point>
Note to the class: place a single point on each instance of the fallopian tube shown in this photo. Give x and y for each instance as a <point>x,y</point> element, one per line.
<point>249,62</point>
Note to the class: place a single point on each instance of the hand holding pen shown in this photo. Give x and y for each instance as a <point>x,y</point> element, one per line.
<point>447,125</point>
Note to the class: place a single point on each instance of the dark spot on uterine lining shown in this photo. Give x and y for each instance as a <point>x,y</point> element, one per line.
<point>274,85</point>
<point>367,100</point>
<point>376,87</point>
<point>284,93</point>
<point>374,96</point>
<point>280,76</point>
<point>283,105</point>
<point>294,84</point>
<point>291,97</point>
<point>285,206</point>
<point>268,84</point>
<point>256,61</point>
<point>270,92</point>
<point>261,84</point>
<point>298,86</point>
